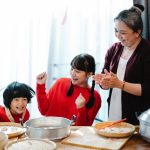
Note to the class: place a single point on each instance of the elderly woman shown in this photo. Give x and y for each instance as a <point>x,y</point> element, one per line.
<point>126,70</point>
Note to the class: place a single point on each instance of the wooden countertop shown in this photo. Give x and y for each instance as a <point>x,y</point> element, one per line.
<point>134,143</point>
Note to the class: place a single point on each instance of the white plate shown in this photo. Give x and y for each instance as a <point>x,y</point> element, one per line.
<point>11,129</point>
<point>31,143</point>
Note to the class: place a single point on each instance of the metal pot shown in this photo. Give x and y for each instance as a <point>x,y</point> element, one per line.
<point>52,128</point>
<point>144,119</point>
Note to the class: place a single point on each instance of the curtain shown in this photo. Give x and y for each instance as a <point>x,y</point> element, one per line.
<point>44,35</point>
<point>145,17</point>
<point>86,27</point>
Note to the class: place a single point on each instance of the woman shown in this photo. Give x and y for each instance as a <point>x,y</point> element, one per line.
<point>126,70</point>
<point>71,96</point>
<point>16,97</point>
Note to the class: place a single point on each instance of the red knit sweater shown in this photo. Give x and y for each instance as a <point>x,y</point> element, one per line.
<point>56,103</point>
<point>4,118</point>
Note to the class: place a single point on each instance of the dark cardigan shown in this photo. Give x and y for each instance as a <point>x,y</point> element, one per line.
<point>137,71</point>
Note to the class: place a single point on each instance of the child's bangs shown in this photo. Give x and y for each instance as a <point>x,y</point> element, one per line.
<point>79,64</point>
<point>20,92</point>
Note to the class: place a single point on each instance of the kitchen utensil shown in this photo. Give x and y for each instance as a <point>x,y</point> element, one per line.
<point>32,143</point>
<point>113,123</point>
<point>12,129</point>
<point>53,128</point>
<point>85,137</point>
<point>121,129</point>
<point>144,120</point>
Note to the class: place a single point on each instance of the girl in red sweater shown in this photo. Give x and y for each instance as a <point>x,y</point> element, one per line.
<point>71,96</point>
<point>16,97</point>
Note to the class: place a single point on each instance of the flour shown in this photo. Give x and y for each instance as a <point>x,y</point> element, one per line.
<point>32,145</point>
<point>10,129</point>
<point>116,130</point>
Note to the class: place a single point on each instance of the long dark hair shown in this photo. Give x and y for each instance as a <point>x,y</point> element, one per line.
<point>84,62</point>
<point>15,90</point>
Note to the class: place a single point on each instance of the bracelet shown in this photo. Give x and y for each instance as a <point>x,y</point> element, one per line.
<point>123,85</point>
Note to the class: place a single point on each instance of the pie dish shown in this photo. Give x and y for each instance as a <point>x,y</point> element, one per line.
<point>31,143</point>
<point>12,129</point>
<point>122,129</point>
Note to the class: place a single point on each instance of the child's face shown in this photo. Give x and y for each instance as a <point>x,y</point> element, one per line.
<point>18,105</point>
<point>79,77</point>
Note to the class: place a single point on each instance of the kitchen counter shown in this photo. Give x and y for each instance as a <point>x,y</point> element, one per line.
<point>134,143</point>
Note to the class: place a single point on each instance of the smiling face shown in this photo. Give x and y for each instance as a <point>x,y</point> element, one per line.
<point>79,77</point>
<point>126,35</point>
<point>18,105</point>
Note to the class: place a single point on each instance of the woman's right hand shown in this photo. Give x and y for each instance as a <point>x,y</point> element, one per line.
<point>80,101</point>
<point>41,78</point>
<point>102,79</point>
<point>98,78</point>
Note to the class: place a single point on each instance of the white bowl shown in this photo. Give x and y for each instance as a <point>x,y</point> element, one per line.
<point>122,129</point>
<point>3,140</point>
<point>31,143</point>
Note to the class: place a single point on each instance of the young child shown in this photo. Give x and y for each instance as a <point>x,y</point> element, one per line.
<point>71,96</point>
<point>16,97</point>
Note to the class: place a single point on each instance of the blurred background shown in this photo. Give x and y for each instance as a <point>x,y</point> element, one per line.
<point>45,35</point>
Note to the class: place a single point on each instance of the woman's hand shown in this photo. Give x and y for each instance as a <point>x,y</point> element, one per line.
<point>98,78</point>
<point>111,81</point>
<point>80,101</point>
<point>102,79</point>
<point>41,78</point>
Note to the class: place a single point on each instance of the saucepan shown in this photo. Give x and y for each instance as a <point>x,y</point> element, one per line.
<point>144,120</point>
<point>52,128</point>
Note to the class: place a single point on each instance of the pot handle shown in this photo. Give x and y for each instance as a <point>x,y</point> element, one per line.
<point>137,114</point>
<point>21,121</point>
<point>73,120</point>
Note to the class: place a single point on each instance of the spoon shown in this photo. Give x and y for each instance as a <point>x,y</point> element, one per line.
<point>113,123</point>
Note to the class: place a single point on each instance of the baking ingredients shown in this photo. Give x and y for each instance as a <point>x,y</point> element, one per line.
<point>121,129</point>
<point>32,144</point>
<point>116,130</point>
<point>10,129</point>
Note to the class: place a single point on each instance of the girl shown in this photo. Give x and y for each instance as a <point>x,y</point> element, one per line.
<point>71,96</point>
<point>16,97</point>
